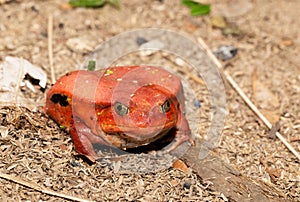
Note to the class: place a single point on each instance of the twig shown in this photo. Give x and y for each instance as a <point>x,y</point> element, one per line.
<point>50,47</point>
<point>294,139</point>
<point>192,76</point>
<point>39,189</point>
<point>17,89</point>
<point>188,74</point>
<point>196,79</point>
<point>236,87</point>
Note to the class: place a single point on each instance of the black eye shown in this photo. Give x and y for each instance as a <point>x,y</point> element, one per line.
<point>121,109</point>
<point>166,106</point>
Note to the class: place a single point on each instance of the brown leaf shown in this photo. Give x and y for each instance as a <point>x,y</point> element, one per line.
<point>218,21</point>
<point>267,102</point>
<point>272,116</point>
<point>264,97</point>
<point>180,165</point>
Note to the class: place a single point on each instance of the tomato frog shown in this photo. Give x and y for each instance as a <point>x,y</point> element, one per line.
<point>124,107</point>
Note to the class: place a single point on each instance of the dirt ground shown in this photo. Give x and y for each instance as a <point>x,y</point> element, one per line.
<point>266,34</point>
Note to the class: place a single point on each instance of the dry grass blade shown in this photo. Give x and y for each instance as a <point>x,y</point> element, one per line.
<point>40,189</point>
<point>246,99</point>
<point>50,47</point>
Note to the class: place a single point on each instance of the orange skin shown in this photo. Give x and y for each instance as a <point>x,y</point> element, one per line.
<point>125,107</point>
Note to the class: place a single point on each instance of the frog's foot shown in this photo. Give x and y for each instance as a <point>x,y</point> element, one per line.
<point>82,144</point>
<point>181,136</point>
<point>83,139</point>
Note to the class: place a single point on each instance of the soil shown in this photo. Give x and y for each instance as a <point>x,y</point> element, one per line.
<point>266,34</point>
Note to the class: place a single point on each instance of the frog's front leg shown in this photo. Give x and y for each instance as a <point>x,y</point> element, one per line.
<point>183,134</point>
<point>84,138</point>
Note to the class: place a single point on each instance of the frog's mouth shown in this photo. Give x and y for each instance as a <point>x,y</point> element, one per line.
<point>130,142</point>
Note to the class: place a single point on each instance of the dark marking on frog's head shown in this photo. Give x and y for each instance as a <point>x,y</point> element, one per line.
<point>61,99</point>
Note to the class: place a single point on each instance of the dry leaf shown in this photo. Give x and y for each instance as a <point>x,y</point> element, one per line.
<point>266,101</point>
<point>272,116</point>
<point>12,73</point>
<point>218,21</point>
<point>264,97</point>
<point>180,165</point>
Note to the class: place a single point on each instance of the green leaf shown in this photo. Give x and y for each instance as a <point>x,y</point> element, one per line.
<point>92,65</point>
<point>200,10</point>
<point>189,3</point>
<point>92,3</point>
<point>196,8</point>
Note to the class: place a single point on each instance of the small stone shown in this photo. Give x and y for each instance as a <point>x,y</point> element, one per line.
<point>141,40</point>
<point>187,185</point>
<point>225,52</point>
<point>197,103</point>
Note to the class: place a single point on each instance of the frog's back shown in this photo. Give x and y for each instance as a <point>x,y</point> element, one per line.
<point>123,81</point>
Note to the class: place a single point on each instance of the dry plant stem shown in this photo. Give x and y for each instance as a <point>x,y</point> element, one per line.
<point>18,83</point>
<point>191,76</point>
<point>50,47</point>
<point>40,189</point>
<point>195,78</point>
<point>246,99</point>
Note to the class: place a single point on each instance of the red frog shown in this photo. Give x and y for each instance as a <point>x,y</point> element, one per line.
<point>125,107</point>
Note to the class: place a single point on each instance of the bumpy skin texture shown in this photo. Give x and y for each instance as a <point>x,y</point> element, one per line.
<point>126,107</point>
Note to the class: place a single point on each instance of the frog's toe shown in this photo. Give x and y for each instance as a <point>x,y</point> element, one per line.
<point>178,141</point>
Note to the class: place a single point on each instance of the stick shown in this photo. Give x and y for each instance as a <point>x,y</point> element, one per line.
<point>236,87</point>
<point>40,189</point>
<point>50,47</point>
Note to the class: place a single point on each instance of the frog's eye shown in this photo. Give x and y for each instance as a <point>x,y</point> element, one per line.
<point>121,109</point>
<point>166,106</point>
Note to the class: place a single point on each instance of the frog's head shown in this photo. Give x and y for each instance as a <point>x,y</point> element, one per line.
<point>143,117</point>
